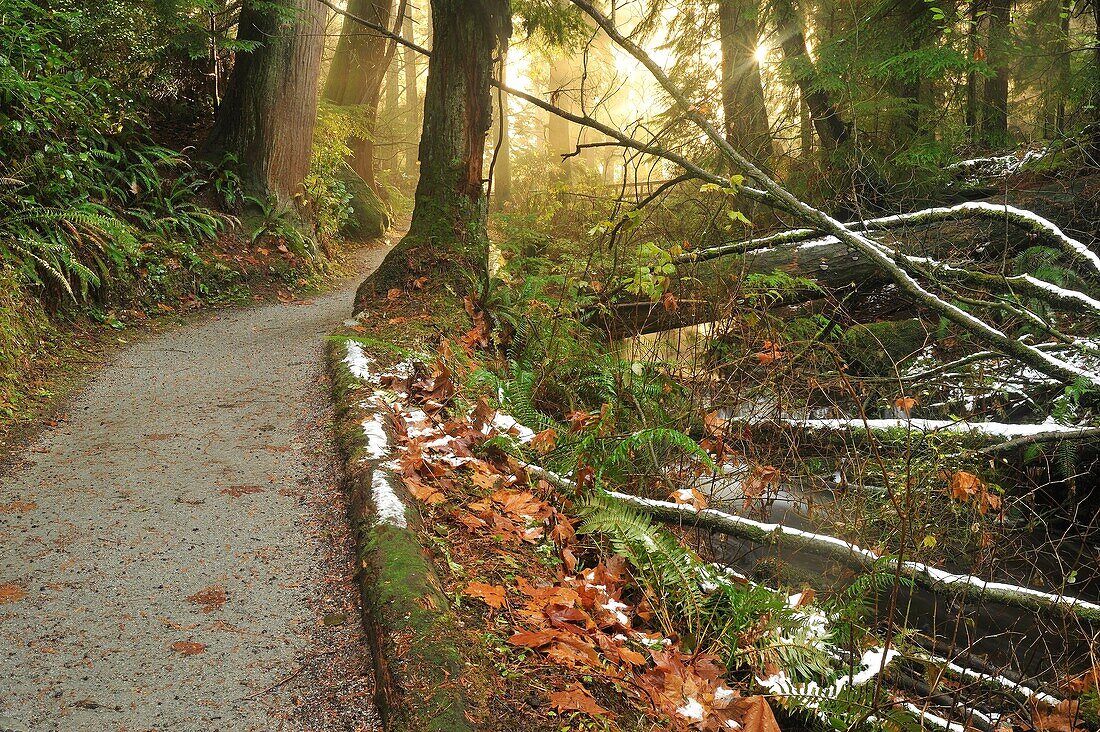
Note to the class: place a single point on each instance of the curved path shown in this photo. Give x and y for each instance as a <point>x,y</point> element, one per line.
<point>174,553</point>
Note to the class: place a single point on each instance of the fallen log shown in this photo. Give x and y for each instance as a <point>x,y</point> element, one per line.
<point>844,552</point>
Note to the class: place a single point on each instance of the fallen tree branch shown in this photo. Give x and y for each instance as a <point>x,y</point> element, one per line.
<point>860,558</point>
<point>1021,218</point>
<point>1064,371</point>
<point>1080,435</point>
<point>842,551</point>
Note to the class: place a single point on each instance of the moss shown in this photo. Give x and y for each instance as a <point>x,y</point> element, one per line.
<point>370,217</point>
<point>876,348</point>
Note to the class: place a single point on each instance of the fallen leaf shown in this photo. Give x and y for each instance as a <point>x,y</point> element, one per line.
<point>905,404</point>
<point>188,648</point>
<point>393,293</point>
<point>534,639</point>
<point>491,595</point>
<point>11,592</point>
<point>211,598</point>
<point>575,699</point>
<point>755,714</point>
<point>18,507</point>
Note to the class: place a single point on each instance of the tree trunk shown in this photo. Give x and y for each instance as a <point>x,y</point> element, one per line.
<point>976,9</point>
<point>447,234</point>
<point>502,140</point>
<point>559,132</point>
<point>412,101</point>
<point>267,117</point>
<point>743,107</point>
<point>995,102</point>
<point>832,130</point>
<point>355,79</point>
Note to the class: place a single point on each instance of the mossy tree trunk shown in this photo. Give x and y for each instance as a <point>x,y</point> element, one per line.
<point>267,117</point>
<point>355,78</point>
<point>743,107</point>
<point>447,236</point>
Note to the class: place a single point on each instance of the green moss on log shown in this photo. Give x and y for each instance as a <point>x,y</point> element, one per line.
<point>875,348</point>
<point>370,217</point>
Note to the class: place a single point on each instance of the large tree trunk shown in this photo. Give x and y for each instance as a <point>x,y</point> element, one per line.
<point>447,234</point>
<point>412,100</point>
<point>267,117</point>
<point>355,79</point>
<point>743,107</point>
<point>995,101</point>
<point>831,128</point>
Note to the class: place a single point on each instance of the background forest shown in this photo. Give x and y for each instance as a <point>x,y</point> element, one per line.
<point>792,304</point>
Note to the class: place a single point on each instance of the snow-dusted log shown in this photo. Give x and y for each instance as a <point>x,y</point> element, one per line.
<point>842,551</point>
<point>1044,432</point>
<point>860,558</point>
<point>1026,220</point>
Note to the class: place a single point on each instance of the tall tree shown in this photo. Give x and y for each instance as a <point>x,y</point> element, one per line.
<point>831,128</point>
<point>447,234</point>
<point>995,98</point>
<point>502,141</point>
<point>743,107</point>
<point>267,116</point>
<point>355,78</point>
<point>412,98</point>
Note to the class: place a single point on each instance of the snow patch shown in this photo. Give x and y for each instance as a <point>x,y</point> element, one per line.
<point>358,363</point>
<point>388,507</point>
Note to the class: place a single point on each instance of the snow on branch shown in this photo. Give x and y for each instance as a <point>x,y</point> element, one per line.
<point>864,559</point>
<point>843,551</point>
<point>1022,218</point>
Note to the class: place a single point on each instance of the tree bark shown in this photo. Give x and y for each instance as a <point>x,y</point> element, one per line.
<point>355,78</point>
<point>412,100</point>
<point>447,234</point>
<point>831,127</point>
<point>743,107</point>
<point>995,98</point>
<point>267,116</point>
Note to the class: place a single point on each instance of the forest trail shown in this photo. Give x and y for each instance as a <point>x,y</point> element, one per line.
<point>173,553</point>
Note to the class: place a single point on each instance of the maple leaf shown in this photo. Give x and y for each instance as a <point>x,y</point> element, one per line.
<point>394,293</point>
<point>188,648</point>
<point>491,595</point>
<point>754,714</point>
<point>905,404</point>
<point>211,598</point>
<point>545,441</point>
<point>534,639</point>
<point>576,699</point>
<point>11,592</point>
<point>423,492</point>
<point>670,303</point>
<point>691,497</point>
<point>770,354</point>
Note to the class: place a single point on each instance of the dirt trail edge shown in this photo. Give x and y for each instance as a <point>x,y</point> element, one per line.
<point>173,553</point>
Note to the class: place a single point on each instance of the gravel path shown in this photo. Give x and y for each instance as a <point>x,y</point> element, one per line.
<point>174,553</point>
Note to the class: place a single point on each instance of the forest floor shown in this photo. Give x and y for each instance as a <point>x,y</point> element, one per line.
<point>175,545</point>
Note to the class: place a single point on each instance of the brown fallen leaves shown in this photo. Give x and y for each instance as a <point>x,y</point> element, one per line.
<point>18,507</point>
<point>968,488</point>
<point>211,598</point>
<point>592,622</point>
<point>491,595</point>
<point>188,648</point>
<point>576,699</point>
<point>11,592</point>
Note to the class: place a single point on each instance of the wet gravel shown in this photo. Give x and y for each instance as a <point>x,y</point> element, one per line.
<point>174,553</point>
